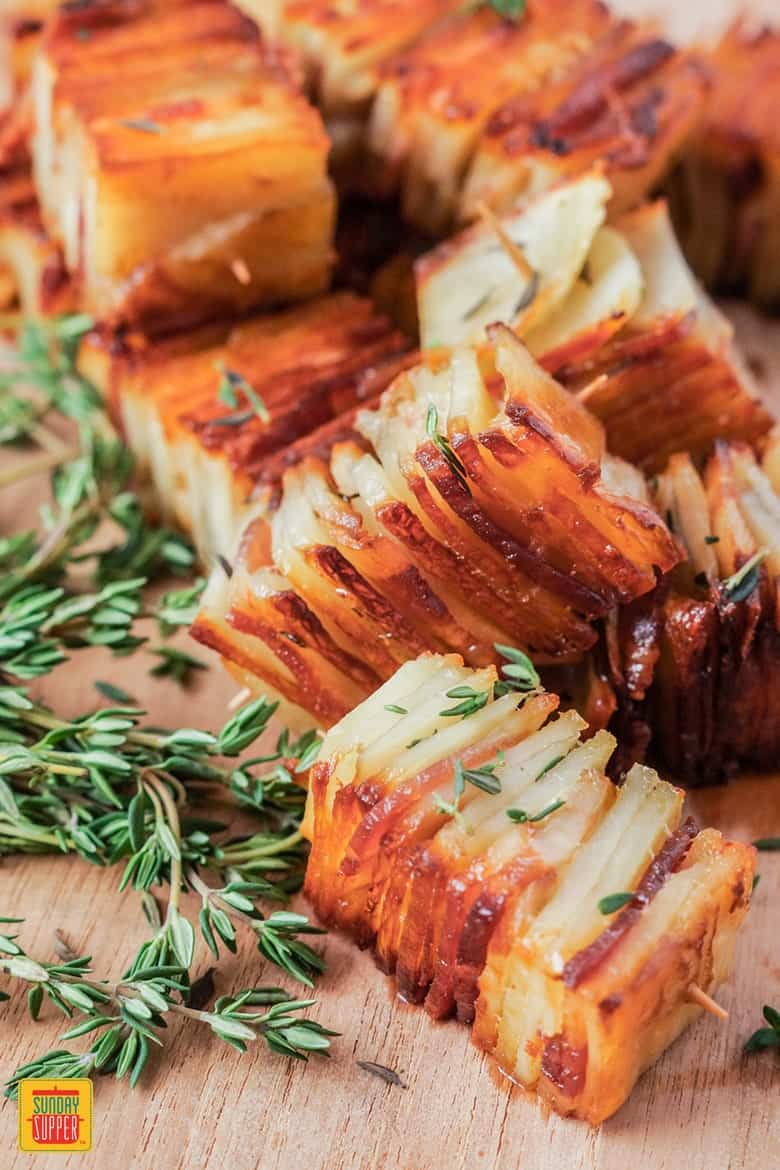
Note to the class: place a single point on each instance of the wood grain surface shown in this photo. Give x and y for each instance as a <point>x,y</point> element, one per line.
<point>704,1106</point>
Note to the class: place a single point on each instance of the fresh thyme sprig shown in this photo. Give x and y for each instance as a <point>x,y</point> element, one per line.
<point>232,384</point>
<point>129,1014</point>
<point>768,1037</point>
<point>43,376</point>
<point>276,935</point>
<point>484,778</point>
<point>86,595</point>
<point>521,817</point>
<point>444,447</point>
<point>471,701</point>
<point>107,788</point>
<point>91,786</point>
<point>55,595</point>
<point>519,673</point>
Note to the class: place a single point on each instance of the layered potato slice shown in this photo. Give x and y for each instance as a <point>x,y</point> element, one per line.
<point>473,846</point>
<point>613,311</point>
<point>177,163</point>
<point>436,99</point>
<point>21,26</point>
<point>725,193</point>
<point>257,623</point>
<point>344,46</point>
<point>34,277</point>
<point>631,101</point>
<point>691,672</point>
<point>716,698</point>
<point>572,286</point>
<point>479,508</point>
<point>204,411</point>
<point>673,379</point>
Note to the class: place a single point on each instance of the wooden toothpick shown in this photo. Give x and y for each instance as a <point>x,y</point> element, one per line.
<point>705,1001</point>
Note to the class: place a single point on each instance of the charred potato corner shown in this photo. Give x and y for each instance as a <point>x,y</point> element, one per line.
<point>390,325</point>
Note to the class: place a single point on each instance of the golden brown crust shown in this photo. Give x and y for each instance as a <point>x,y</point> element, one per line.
<point>35,265</point>
<point>175,119</point>
<point>500,922</point>
<point>292,374</point>
<point>695,666</point>
<point>631,103</point>
<point>498,523</point>
<point>443,91</point>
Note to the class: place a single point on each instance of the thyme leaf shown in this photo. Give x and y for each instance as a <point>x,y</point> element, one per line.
<point>613,902</point>
<point>741,584</point>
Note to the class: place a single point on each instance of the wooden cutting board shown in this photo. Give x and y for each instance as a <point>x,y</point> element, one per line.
<point>704,1106</point>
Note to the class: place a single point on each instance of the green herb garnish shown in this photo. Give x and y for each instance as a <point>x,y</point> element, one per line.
<point>114,693</point>
<point>511,9</point>
<point>176,664</point>
<point>520,817</point>
<point>444,447</point>
<point>483,778</point>
<point>741,584</point>
<point>519,672</point>
<point>230,386</point>
<point>613,902</point>
<point>472,701</point>
<point>768,1037</point>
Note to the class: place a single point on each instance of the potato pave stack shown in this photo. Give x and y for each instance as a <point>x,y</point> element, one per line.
<point>611,309</point>
<point>725,194</point>
<point>479,507</point>
<point>206,412</point>
<point>474,840</point>
<point>698,662</point>
<point>177,163</point>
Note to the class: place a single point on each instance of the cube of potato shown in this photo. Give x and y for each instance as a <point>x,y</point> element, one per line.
<point>613,311</point>
<point>672,379</point>
<point>482,858</point>
<point>715,689</point>
<point>205,410</point>
<point>480,508</point>
<point>344,48</point>
<point>436,99</point>
<point>725,194</point>
<point>178,164</point>
<point>630,102</point>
